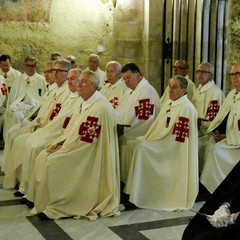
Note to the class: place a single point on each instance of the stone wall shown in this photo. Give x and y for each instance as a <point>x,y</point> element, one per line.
<point>76,27</point>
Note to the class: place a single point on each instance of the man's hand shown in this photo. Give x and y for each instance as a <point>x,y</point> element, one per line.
<point>222,217</point>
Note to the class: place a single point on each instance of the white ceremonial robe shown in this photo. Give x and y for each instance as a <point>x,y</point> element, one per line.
<point>82,178</point>
<point>207,100</point>
<point>190,91</point>
<point>10,76</point>
<point>39,139</point>
<point>3,99</point>
<point>139,109</point>
<point>12,154</point>
<point>114,92</point>
<point>222,156</point>
<point>161,168</point>
<point>24,99</point>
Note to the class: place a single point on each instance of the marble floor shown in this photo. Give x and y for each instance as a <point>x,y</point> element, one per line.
<point>135,224</point>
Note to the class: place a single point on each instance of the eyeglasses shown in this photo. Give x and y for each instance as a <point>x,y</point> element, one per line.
<point>202,72</point>
<point>178,68</point>
<point>236,74</point>
<point>59,70</point>
<point>48,71</point>
<point>30,65</point>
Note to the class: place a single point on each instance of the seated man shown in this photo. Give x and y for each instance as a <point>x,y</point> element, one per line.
<point>79,171</point>
<point>31,144</point>
<point>3,99</point>
<point>207,100</point>
<point>180,67</point>
<point>115,87</point>
<point>25,95</point>
<point>46,114</point>
<point>140,104</point>
<point>7,71</point>
<point>93,65</point>
<point>160,169</point>
<point>222,210</point>
<point>223,150</point>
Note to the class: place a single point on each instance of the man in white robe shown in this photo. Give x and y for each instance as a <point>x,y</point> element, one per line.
<point>180,67</point>
<point>160,169</point>
<point>3,99</point>
<point>25,95</point>
<point>115,87</point>
<point>80,170</point>
<point>207,100</point>
<point>140,104</point>
<point>93,65</point>
<point>39,139</point>
<point>7,71</point>
<point>223,150</point>
<point>12,153</point>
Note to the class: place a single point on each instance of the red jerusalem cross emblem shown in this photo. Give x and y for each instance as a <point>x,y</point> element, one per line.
<point>145,109</point>
<point>4,89</point>
<point>89,129</point>
<point>114,102</point>
<point>181,129</point>
<point>213,109</point>
<point>55,111</point>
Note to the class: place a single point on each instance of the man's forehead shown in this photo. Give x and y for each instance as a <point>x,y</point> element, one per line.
<point>235,68</point>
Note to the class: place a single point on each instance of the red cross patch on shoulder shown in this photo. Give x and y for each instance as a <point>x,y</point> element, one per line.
<point>55,111</point>
<point>213,109</point>
<point>4,89</point>
<point>89,129</point>
<point>181,129</point>
<point>114,102</point>
<point>145,109</point>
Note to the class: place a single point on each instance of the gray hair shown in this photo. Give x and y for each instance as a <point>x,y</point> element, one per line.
<point>183,81</point>
<point>119,66</point>
<point>209,66</point>
<point>93,77</point>
<point>65,63</point>
<point>94,55</point>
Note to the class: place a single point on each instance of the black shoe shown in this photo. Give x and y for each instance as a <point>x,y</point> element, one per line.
<point>18,194</point>
<point>29,204</point>
<point>23,200</point>
<point>43,216</point>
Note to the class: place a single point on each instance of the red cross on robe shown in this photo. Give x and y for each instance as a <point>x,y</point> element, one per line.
<point>89,129</point>
<point>239,125</point>
<point>4,89</point>
<point>66,122</point>
<point>145,109</point>
<point>213,109</point>
<point>114,102</point>
<point>181,129</point>
<point>55,111</point>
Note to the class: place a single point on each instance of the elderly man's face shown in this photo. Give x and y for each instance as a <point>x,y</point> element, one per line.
<point>48,73</point>
<point>179,68</point>
<point>235,77</point>
<point>60,74</point>
<point>30,67</point>
<point>85,87</point>
<point>93,63</point>
<point>113,74</point>
<point>203,74</point>
<point>175,90</point>
<point>73,80</point>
